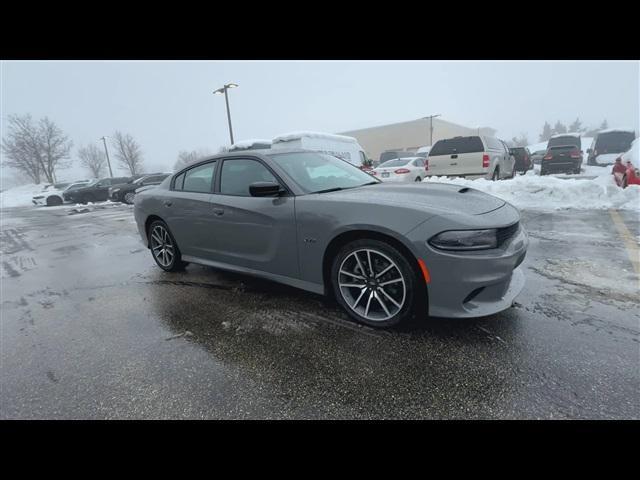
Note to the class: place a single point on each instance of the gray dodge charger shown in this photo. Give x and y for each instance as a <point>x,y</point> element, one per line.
<point>386,252</point>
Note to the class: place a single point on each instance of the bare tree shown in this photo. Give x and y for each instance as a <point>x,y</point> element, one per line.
<point>128,152</point>
<point>187,158</point>
<point>93,158</point>
<point>55,148</point>
<point>21,147</point>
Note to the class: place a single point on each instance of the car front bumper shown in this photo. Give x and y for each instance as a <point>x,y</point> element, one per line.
<point>475,284</point>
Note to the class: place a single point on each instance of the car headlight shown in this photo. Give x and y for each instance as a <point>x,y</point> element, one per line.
<point>466,239</point>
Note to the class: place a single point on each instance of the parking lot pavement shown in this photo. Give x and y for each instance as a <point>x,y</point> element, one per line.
<point>91,328</point>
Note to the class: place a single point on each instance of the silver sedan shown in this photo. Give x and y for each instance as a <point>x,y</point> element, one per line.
<point>385,252</point>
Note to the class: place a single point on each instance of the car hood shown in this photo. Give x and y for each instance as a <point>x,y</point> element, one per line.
<point>437,198</point>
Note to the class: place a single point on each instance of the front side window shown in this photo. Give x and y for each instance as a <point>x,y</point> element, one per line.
<point>198,179</point>
<point>237,175</point>
<point>314,172</point>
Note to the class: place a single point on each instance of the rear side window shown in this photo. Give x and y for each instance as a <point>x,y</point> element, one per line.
<point>494,144</point>
<point>199,179</point>
<point>237,175</point>
<point>457,145</point>
<point>564,141</point>
<point>614,142</point>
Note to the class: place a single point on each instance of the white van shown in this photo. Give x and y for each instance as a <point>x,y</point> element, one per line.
<point>346,148</point>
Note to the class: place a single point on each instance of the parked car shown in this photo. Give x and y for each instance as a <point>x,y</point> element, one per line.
<point>536,157</point>
<point>564,154</point>
<point>631,160</point>
<point>53,195</point>
<point>608,145</point>
<point>409,169</point>
<point>391,154</point>
<point>305,219</point>
<point>96,191</point>
<point>423,152</point>
<point>125,192</point>
<point>523,159</point>
<point>471,157</point>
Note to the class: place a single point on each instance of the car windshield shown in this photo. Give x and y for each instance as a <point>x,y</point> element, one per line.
<point>397,162</point>
<point>614,142</point>
<point>317,172</point>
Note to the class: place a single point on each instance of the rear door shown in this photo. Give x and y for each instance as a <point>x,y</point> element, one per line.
<point>187,209</point>
<point>456,156</point>
<point>258,233</point>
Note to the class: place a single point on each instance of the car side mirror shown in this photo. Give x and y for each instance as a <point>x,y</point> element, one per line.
<point>265,189</point>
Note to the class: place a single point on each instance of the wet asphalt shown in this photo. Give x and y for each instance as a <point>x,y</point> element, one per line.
<point>92,329</point>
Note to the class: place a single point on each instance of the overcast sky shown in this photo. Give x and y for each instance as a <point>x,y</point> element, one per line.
<point>168,106</point>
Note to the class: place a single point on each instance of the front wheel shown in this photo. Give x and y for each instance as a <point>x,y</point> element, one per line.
<point>54,201</point>
<point>164,247</point>
<point>128,198</point>
<point>374,283</point>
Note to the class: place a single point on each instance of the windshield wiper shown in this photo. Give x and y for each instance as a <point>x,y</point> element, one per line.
<point>369,183</point>
<point>335,189</point>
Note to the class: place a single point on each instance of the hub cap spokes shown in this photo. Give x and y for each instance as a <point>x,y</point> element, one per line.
<point>372,284</point>
<point>162,246</point>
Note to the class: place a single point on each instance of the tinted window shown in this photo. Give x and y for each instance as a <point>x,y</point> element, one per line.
<point>419,162</point>
<point>457,145</point>
<point>237,175</point>
<point>614,142</point>
<point>155,179</point>
<point>199,179</point>
<point>564,141</point>
<point>398,162</point>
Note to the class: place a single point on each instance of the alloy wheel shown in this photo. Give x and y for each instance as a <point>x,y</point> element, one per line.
<point>372,284</point>
<point>162,246</point>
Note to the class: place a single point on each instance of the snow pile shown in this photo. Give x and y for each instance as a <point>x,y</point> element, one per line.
<point>20,196</point>
<point>533,192</point>
<point>250,143</point>
<point>287,137</point>
<point>633,154</point>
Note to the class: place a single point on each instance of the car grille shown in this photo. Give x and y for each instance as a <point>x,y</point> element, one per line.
<point>505,234</point>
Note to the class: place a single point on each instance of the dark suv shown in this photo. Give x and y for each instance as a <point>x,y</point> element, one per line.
<point>608,145</point>
<point>96,191</point>
<point>564,155</point>
<point>523,159</point>
<point>126,191</point>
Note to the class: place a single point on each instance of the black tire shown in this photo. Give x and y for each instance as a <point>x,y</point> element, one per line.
<point>496,174</point>
<point>88,198</point>
<point>54,201</point>
<point>543,171</point>
<point>418,179</point>
<point>128,198</point>
<point>382,255</point>
<point>176,262</point>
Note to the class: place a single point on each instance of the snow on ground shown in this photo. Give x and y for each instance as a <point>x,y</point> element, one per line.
<point>593,190</point>
<point>19,196</point>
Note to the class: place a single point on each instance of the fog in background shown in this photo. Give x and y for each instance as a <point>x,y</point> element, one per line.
<point>168,106</point>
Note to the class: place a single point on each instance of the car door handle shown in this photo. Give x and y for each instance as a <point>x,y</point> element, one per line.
<point>167,203</point>
<point>218,211</point>
<point>454,156</point>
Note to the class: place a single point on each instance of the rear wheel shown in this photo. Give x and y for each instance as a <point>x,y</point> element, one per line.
<point>418,179</point>
<point>374,283</point>
<point>88,198</point>
<point>496,174</point>
<point>164,248</point>
<point>54,201</point>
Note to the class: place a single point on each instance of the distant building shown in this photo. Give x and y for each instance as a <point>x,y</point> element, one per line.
<point>411,135</point>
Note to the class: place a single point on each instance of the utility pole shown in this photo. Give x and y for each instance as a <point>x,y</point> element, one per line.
<point>431,117</point>
<point>106,151</point>
<point>226,99</point>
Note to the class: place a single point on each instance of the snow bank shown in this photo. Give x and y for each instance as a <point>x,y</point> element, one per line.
<point>305,134</point>
<point>20,196</point>
<point>532,192</point>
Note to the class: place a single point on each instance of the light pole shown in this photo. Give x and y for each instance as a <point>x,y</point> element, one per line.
<point>431,117</point>
<point>106,151</point>
<point>226,98</point>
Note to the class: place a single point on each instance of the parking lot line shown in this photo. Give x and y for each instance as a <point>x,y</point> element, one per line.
<point>632,248</point>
